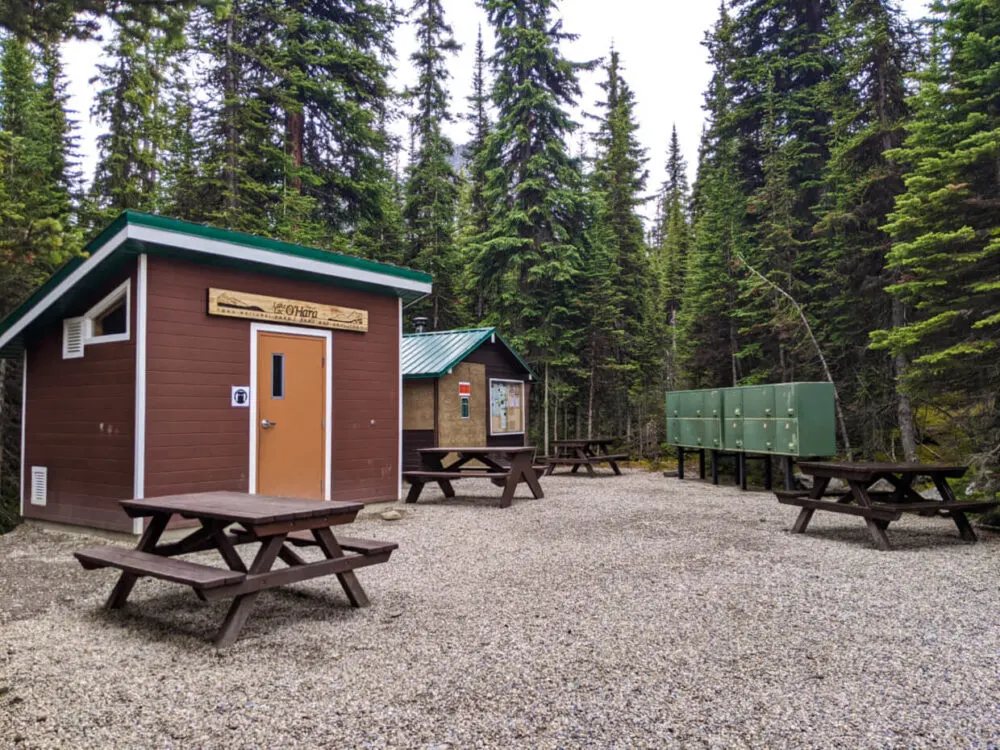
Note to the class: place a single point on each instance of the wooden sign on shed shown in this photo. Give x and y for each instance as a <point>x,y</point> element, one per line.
<point>232,304</point>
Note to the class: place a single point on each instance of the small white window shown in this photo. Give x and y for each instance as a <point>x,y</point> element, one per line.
<point>39,485</point>
<point>105,322</point>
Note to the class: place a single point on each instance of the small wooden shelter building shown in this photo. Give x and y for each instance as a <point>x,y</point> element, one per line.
<point>175,358</point>
<point>462,387</point>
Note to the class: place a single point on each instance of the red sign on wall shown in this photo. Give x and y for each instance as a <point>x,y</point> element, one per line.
<point>465,389</point>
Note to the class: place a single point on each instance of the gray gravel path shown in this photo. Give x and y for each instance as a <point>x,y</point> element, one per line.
<point>632,611</point>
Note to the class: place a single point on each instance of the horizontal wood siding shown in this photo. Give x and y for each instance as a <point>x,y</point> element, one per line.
<point>413,441</point>
<point>196,442</point>
<point>80,423</point>
<point>500,365</point>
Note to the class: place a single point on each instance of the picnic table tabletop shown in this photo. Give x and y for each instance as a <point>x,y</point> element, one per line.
<point>586,441</point>
<point>237,507</point>
<point>867,470</point>
<point>485,449</point>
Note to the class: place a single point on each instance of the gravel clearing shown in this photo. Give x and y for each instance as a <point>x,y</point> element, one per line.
<point>632,611</point>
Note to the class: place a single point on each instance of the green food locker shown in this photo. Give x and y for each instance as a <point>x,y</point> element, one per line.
<point>789,419</point>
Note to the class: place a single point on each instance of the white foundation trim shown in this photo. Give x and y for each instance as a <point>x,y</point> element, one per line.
<point>139,460</point>
<point>256,328</point>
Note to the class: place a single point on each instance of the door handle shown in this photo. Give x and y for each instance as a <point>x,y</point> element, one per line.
<point>267,424</point>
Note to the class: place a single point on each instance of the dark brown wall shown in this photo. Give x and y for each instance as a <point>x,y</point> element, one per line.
<point>414,440</point>
<point>196,442</point>
<point>501,365</point>
<point>80,421</point>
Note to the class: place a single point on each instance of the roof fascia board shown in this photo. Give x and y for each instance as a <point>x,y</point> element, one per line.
<point>237,251</point>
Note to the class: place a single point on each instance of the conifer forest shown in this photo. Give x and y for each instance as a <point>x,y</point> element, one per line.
<point>842,221</point>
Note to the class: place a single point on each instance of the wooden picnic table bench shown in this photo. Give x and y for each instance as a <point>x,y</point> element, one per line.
<point>585,452</point>
<point>230,519</point>
<point>881,508</point>
<point>506,467</point>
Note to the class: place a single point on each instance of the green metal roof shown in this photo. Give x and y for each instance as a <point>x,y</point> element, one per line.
<point>432,355</point>
<point>134,233</point>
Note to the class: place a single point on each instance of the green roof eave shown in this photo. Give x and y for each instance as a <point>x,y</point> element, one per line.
<point>473,343</point>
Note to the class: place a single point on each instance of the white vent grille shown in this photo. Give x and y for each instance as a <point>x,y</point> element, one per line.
<point>73,338</point>
<point>39,485</point>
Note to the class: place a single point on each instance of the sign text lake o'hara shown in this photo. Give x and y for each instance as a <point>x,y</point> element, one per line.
<point>232,304</point>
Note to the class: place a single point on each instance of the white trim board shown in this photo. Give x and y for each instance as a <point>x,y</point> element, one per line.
<point>399,360</point>
<point>139,457</point>
<point>217,248</point>
<point>256,328</point>
<point>24,422</point>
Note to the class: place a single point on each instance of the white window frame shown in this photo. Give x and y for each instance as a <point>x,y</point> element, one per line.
<point>524,410</point>
<point>123,290</point>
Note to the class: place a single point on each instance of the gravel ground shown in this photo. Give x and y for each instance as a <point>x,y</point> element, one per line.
<point>632,611</point>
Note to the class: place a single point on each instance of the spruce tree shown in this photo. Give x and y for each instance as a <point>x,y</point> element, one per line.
<point>946,229</point>
<point>474,209</point>
<point>533,186</point>
<point>529,255</point>
<point>620,179</point>
<point>134,106</point>
<point>706,341</point>
<point>860,188</point>
<point>784,58</point>
<point>37,229</point>
<point>432,184</point>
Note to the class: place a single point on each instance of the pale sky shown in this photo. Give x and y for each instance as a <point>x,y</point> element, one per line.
<point>659,42</point>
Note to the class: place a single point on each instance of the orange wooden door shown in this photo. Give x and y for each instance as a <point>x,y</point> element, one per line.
<point>291,408</point>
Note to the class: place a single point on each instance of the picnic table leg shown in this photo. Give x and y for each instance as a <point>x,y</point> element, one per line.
<point>446,488</point>
<point>521,470</point>
<point>582,453</point>
<point>960,519</point>
<point>226,549</point>
<point>806,514</point>
<point>126,581</point>
<point>349,581</point>
<point>875,528</point>
<point>416,487</point>
<point>239,610</point>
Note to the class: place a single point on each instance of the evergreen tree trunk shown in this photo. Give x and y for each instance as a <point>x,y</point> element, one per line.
<point>904,410</point>
<point>545,411</point>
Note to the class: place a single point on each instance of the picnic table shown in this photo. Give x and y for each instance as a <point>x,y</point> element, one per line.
<point>278,524</point>
<point>585,452</point>
<point>507,467</point>
<point>880,508</point>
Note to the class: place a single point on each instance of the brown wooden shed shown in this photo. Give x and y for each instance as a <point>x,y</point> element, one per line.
<point>462,387</point>
<point>176,358</point>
